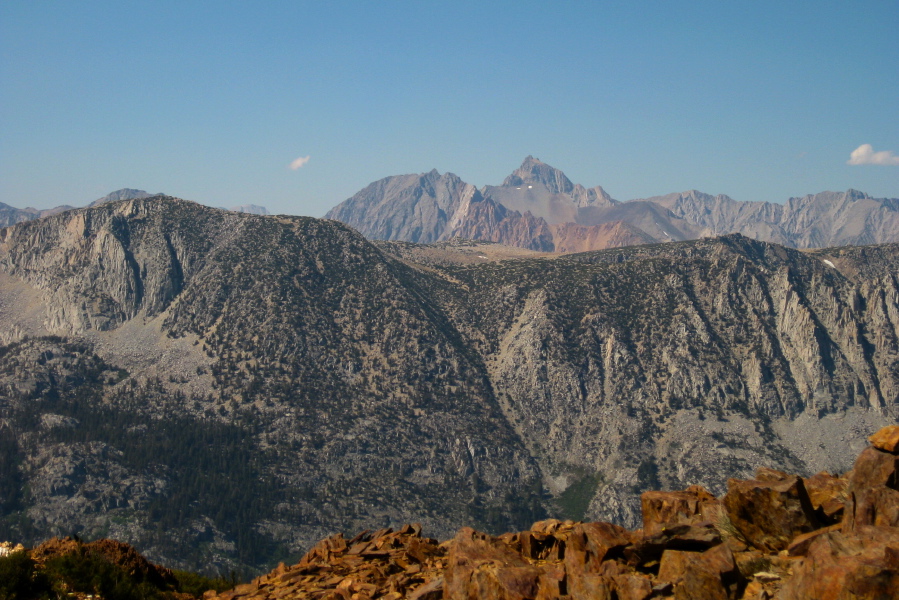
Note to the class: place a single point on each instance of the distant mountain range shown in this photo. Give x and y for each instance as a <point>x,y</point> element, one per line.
<point>539,208</point>
<point>9,215</point>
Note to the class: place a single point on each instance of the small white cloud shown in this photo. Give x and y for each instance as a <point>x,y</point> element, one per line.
<point>299,162</point>
<point>865,155</point>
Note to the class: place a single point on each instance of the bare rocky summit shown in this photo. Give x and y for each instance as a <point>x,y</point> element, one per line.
<point>539,208</point>
<point>223,389</point>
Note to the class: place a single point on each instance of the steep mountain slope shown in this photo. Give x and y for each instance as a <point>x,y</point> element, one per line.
<point>10,215</point>
<point>571,237</point>
<point>353,401</point>
<point>539,208</point>
<point>223,389</point>
<point>415,208</point>
<point>523,212</point>
<point>813,221</point>
<point>674,364</point>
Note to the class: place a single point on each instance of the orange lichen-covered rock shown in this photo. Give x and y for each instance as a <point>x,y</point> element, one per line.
<point>480,566</point>
<point>827,494</point>
<point>874,467</point>
<point>878,506</point>
<point>886,439</point>
<point>666,509</point>
<point>386,564</point>
<point>863,565</point>
<point>770,513</point>
<point>589,544</point>
<point>710,574</point>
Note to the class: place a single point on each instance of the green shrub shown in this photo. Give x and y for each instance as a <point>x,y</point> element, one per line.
<point>18,579</point>
<point>90,573</point>
<point>195,584</point>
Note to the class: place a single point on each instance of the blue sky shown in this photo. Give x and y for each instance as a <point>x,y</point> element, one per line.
<point>213,101</point>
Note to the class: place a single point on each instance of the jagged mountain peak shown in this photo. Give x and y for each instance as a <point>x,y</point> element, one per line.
<point>533,170</point>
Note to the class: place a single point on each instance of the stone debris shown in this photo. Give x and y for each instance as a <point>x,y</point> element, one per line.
<point>384,564</point>
<point>769,540</point>
<point>777,536</point>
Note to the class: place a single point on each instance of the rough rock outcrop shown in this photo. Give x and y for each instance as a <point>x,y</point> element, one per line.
<point>564,560</point>
<point>667,559</point>
<point>383,564</point>
<point>687,507</point>
<point>770,513</point>
<point>886,439</point>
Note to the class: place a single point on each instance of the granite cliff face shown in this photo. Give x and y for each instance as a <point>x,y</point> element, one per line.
<point>418,208</point>
<point>539,208</point>
<point>223,389</point>
<point>343,397</point>
<point>616,367</point>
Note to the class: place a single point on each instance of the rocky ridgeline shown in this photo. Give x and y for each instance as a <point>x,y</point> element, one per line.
<point>776,536</point>
<point>537,207</point>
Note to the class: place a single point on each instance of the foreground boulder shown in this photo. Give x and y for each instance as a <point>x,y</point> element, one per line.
<point>709,574</point>
<point>769,512</point>
<point>481,566</point>
<point>828,494</point>
<point>874,467</point>
<point>860,565</point>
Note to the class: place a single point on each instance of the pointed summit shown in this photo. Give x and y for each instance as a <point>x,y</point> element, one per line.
<point>532,170</point>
